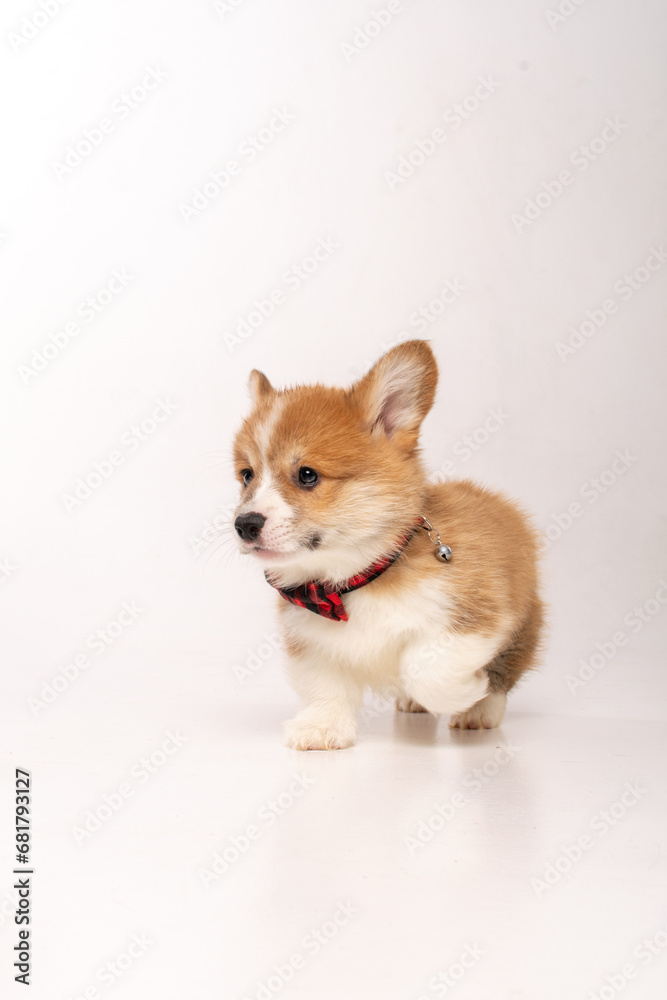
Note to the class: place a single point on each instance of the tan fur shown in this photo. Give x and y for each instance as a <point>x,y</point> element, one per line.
<point>372,486</point>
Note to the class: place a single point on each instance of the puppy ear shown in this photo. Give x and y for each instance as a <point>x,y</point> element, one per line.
<point>259,386</point>
<point>398,391</point>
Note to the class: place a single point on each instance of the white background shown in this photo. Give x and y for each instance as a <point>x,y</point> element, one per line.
<point>330,175</point>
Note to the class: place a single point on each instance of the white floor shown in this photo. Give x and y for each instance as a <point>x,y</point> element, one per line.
<point>515,864</point>
<point>544,207</point>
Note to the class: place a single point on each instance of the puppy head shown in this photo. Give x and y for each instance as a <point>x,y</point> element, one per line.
<point>330,478</point>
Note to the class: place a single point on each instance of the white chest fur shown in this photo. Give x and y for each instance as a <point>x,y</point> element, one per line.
<point>380,626</point>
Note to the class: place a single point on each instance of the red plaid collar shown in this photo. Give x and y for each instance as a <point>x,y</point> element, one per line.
<point>323,599</point>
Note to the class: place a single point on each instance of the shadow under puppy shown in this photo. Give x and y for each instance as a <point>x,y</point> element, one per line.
<point>335,505</point>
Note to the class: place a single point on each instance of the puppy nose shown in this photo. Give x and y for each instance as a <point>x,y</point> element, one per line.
<point>249,526</point>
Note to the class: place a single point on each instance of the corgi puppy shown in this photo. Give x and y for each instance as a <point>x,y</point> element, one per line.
<point>384,579</point>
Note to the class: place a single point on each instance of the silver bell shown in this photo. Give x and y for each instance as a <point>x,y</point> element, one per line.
<point>443,553</point>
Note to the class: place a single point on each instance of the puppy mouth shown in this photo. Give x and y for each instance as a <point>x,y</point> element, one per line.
<point>257,550</point>
<point>312,542</point>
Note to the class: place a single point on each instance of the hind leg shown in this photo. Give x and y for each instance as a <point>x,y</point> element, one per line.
<point>503,672</point>
<point>404,703</point>
<point>485,714</point>
<point>447,675</point>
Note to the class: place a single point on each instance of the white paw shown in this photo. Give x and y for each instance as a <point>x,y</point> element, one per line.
<point>303,735</point>
<point>406,704</point>
<point>485,714</point>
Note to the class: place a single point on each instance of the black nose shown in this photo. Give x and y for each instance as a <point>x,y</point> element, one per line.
<point>249,526</point>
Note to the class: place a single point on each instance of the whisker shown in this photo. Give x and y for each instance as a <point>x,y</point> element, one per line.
<point>220,531</point>
<point>220,460</point>
<point>222,547</point>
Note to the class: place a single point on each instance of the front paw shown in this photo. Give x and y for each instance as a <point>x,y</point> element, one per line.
<point>307,735</point>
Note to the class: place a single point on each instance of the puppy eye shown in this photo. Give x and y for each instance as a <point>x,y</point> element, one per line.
<point>307,476</point>
<point>247,475</point>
